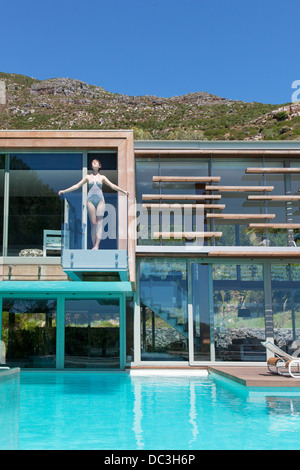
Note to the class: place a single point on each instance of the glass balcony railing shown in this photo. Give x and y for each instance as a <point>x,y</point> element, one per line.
<point>94,240</point>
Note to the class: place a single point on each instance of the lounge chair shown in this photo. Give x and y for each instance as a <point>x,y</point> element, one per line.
<point>283,362</point>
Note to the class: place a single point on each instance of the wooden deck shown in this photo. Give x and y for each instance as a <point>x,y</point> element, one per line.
<point>258,376</point>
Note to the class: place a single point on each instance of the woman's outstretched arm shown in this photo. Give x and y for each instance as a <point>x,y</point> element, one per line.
<point>114,186</point>
<point>74,187</point>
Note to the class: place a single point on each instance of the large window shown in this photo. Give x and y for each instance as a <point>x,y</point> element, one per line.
<point>239,319</point>
<point>164,313</point>
<point>29,333</point>
<point>92,333</point>
<point>238,200</point>
<point>150,219</point>
<point>34,205</point>
<point>233,173</point>
<point>286,307</point>
<point>146,168</point>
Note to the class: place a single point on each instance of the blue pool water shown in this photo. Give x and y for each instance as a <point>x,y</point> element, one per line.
<point>116,411</point>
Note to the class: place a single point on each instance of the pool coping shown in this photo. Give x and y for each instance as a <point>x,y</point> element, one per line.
<point>7,373</point>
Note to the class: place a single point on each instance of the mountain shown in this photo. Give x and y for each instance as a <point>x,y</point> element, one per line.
<point>64,103</point>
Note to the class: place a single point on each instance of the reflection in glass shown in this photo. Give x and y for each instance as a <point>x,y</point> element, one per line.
<point>180,220</point>
<point>9,411</point>
<point>171,219</point>
<point>239,321</point>
<point>164,318</point>
<point>92,333</point>
<point>29,332</point>
<point>201,322</point>
<point>2,170</point>
<point>146,168</point>
<point>286,307</point>
<point>277,237</point>
<point>129,330</point>
<point>232,173</point>
<point>34,204</point>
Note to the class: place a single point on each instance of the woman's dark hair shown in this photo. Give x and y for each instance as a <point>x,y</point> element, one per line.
<point>96,160</point>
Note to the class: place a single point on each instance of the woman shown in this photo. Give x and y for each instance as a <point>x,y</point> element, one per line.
<point>95,199</point>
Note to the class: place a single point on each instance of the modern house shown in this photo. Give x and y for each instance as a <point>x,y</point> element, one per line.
<point>198,265</point>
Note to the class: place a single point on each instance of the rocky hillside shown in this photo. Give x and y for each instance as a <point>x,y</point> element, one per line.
<point>64,103</point>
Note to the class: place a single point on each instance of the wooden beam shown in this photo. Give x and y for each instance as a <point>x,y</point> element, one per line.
<point>169,235</point>
<point>188,197</point>
<point>282,226</point>
<point>240,216</point>
<point>187,179</point>
<point>273,170</point>
<point>274,198</point>
<point>239,188</point>
<point>260,253</point>
<point>183,206</point>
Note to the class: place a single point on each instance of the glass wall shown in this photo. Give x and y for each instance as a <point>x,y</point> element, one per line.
<point>147,221</point>
<point>201,311</point>
<point>164,314</point>
<point>228,311</point>
<point>2,171</point>
<point>181,219</point>
<point>232,171</point>
<point>92,333</point>
<point>239,319</point>
<point>286,307</point>
<point>34,204</point>
<point>29,333</point>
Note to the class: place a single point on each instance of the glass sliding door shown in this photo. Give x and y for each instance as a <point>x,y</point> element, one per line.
<point>201,312</point>
<point>92,333</point>
<point>286,307</point>
<point>2,171</point>
<point>239,314</point>
<point>29,333</point>
<point>109,168</point>
<point>164,310</point>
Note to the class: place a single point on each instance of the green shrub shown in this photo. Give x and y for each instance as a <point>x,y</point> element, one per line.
<point>281,116</point>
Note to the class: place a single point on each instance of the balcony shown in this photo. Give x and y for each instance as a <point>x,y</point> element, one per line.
<point>79,261</point>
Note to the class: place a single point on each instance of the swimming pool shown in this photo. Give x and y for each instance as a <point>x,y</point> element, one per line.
<point>118,411</point>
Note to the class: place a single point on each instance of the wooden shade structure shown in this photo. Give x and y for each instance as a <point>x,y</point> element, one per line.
<point>239,188</point>
<point>169,235</point>
<point>187,197</point>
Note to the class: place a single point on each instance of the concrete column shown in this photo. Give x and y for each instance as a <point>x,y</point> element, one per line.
<point>60,333</point>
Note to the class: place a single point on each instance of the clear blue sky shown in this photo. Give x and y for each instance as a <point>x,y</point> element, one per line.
<point>237,49</point>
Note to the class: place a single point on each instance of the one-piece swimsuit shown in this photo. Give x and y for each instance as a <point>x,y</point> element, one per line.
<point>95,194</point>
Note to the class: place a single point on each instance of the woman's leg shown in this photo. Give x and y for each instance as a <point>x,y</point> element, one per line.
<point>99,229</point>
<point>93,219</point>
